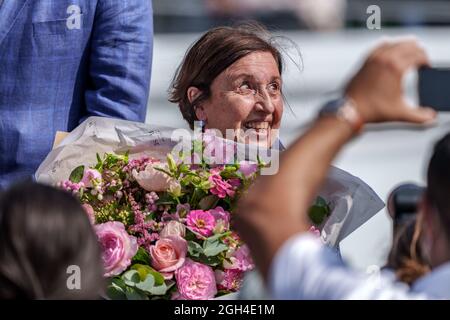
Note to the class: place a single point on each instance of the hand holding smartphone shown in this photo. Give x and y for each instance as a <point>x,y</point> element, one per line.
<point>434,88</point>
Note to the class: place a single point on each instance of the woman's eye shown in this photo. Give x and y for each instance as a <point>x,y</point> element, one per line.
<point>274,87</point>
<point>244,85</point>
<point>245,88</point>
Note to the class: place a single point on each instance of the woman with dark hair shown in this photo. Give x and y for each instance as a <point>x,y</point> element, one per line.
<point>230,79</point>
<point>48,249</point>
<point>406,259</point>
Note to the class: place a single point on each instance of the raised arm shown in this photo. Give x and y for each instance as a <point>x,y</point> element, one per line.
<point>120,60</point>
<point>275,208</point>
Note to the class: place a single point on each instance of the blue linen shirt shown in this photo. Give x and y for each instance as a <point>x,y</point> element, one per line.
<point>62,61</point>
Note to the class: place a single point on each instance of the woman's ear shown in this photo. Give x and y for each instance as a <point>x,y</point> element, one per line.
<point>193,93</point>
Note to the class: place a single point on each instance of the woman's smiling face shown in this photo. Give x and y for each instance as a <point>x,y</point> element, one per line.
<point>246,97</point>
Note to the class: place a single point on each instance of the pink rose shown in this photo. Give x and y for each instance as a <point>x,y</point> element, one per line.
<point>201,222</point>
<point>90,212</point>
<point>118,247</point>
<point>221,188</point>
<point>195,281</point>
<point>240,260</point>
<point>173,228</point>
<point>247,168</point>
<point>89,176</point>
<point>152,179</point>
<point>168,254</point>
<point>229,279</point>
<point>222,218</point>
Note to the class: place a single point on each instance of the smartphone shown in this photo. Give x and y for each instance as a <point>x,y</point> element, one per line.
<point>434,88</point>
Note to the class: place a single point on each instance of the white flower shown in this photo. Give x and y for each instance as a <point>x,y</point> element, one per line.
<point>152,179</point>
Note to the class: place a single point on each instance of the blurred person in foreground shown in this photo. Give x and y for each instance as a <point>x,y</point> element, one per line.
<point>406,260</point>
<point>44,233</point>
<point>294,263</point>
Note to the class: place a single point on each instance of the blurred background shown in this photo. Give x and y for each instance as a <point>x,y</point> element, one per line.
<point>333,38</point>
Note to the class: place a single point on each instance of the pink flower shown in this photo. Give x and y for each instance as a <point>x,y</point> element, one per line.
<point>247,168</point>
<point>222,219</point>
<point>90,212</point>
<point>201,222</point>
<point>89,176</point>
<point>235,182</point>
<point>118,247</point>
<point>152,179</point>
<point>195,281</point>
<point>315,231</point>
<point>221,188</point>
<point>168,254</point>
<point>173,228</point>
<point>240,260</point>
<point>229,279</point>
<point>232,240</point>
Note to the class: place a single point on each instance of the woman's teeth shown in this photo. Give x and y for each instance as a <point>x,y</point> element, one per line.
<point>257,125</point>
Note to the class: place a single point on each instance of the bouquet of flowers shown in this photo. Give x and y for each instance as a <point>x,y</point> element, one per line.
<point>164,227</point>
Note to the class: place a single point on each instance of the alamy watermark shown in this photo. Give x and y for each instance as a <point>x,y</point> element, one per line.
<point>237,145</point>
<point>73,22</point>
<point>373,22</point>
<point>73,281</point>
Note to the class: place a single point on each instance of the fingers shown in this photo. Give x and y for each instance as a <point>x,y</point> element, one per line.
<point>411,54</point>
<point>401,55</point>
<point>420,115</point>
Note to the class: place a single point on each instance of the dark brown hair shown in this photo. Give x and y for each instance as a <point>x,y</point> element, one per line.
<point>438,189</point>
<point>215,51</point>
<point>43,231</point>
<point>406,258</point>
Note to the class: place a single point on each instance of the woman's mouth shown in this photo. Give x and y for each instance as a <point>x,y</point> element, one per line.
<point>258,126</point>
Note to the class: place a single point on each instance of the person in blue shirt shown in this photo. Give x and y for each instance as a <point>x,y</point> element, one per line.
<point>62,61</point>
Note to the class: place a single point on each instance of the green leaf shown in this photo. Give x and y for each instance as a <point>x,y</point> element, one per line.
<point>159,290</point>
<point>317,214</point>
<point>141,256</point>
<point>99,160</point>
<point>218,236</point>
<point>165,198</point>
<point>205,185</point>
<point>77,174</point>
<point>131,278</point>
<point>114,292</point>
<point>211,261</point>
<point>133,294</point>
<point>171,163</point>
<point>119,282</point>
<point>321,202</point>
<point>319,211</point>
<point>194,249</point>
<point>116,289</point>
<point>213,248</point>
<point>147,284</point>
<point>145,270</point>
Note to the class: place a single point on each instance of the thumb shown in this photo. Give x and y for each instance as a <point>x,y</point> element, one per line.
<point>418,115</point>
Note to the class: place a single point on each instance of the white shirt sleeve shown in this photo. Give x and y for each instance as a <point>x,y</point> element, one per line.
<point>305,269</point>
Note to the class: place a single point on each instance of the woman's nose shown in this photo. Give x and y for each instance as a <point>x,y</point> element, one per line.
<point>264,101</point>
